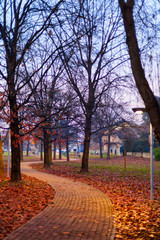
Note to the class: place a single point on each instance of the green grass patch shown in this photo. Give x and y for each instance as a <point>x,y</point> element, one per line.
<point>130,169</point>
<point>105,166</point>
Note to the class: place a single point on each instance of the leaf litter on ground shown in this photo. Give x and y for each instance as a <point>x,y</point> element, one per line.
<point>20,201</point>
<point>136,216</point>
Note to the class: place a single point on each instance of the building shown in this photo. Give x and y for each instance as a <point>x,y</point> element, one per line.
<point>133,139</point>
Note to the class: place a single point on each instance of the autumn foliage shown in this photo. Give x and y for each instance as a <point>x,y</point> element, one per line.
<point>20,201</point>
<point>136,217</point>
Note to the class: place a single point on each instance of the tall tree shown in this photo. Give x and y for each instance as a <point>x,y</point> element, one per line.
<point>21,24</point>
<point>90,27</point>
<point>151,104</point>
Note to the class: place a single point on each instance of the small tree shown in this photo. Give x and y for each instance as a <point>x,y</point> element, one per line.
<point>108,117</point>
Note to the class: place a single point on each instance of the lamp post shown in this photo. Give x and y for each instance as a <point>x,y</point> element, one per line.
<point>142,110</point>
<point>9,143</point>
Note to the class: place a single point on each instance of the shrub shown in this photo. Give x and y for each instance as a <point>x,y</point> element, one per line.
<point>157,154</point>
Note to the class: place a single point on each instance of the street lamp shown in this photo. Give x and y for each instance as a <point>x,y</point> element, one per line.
<point>142,110</point>
<point>9,145</point>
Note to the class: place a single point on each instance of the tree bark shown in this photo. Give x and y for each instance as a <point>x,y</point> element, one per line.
<point>15,137</point>
<point>27,152</point>
<point>60,150</point>
<point>41,151</point>
<point>67,149</point>
<point>84,167</point>
<point>54,157</point>
<point>15,152</point>
<point>109,146</point>
<point>50,152</point>
<point>100,146</point>
<point>146,93</point>
<point>21,150</point>
<point>14,123</point>
<point>47,161</point>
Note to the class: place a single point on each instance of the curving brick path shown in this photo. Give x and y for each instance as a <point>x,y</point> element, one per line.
<point>78,212</point>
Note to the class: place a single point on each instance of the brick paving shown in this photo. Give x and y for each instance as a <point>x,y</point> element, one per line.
<point>78,212</point>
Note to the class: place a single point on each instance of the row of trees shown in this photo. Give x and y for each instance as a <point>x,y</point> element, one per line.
<point>60,62</point>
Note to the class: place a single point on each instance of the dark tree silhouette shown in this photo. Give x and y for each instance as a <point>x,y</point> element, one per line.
<point>150,101</point>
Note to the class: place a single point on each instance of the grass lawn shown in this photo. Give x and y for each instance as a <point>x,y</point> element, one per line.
<point>136,216</point>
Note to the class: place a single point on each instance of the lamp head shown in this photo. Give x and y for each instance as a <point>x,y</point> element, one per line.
<point>139,110</point>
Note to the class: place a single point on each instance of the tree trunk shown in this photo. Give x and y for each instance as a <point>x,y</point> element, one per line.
<point>146,93</point>
<point>67,149</point>
<point>27,152</point>
<point>46,155</point>
<point>41,158</point>
<point>14,123</point>
<point>54,157</point>
<point>21,150</point>
<point>109,146</point>
<point>100,146</point>
<point>1,159</point>
<point>15,152</point>
<point>15,145</point>
<point>50,152</point>
<point>47,162</point>
<point>60,150</point>
<point>84,167</point>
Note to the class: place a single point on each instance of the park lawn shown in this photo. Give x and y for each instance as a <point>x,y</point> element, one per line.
<point>136,216</point>
<point>20,201</point>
